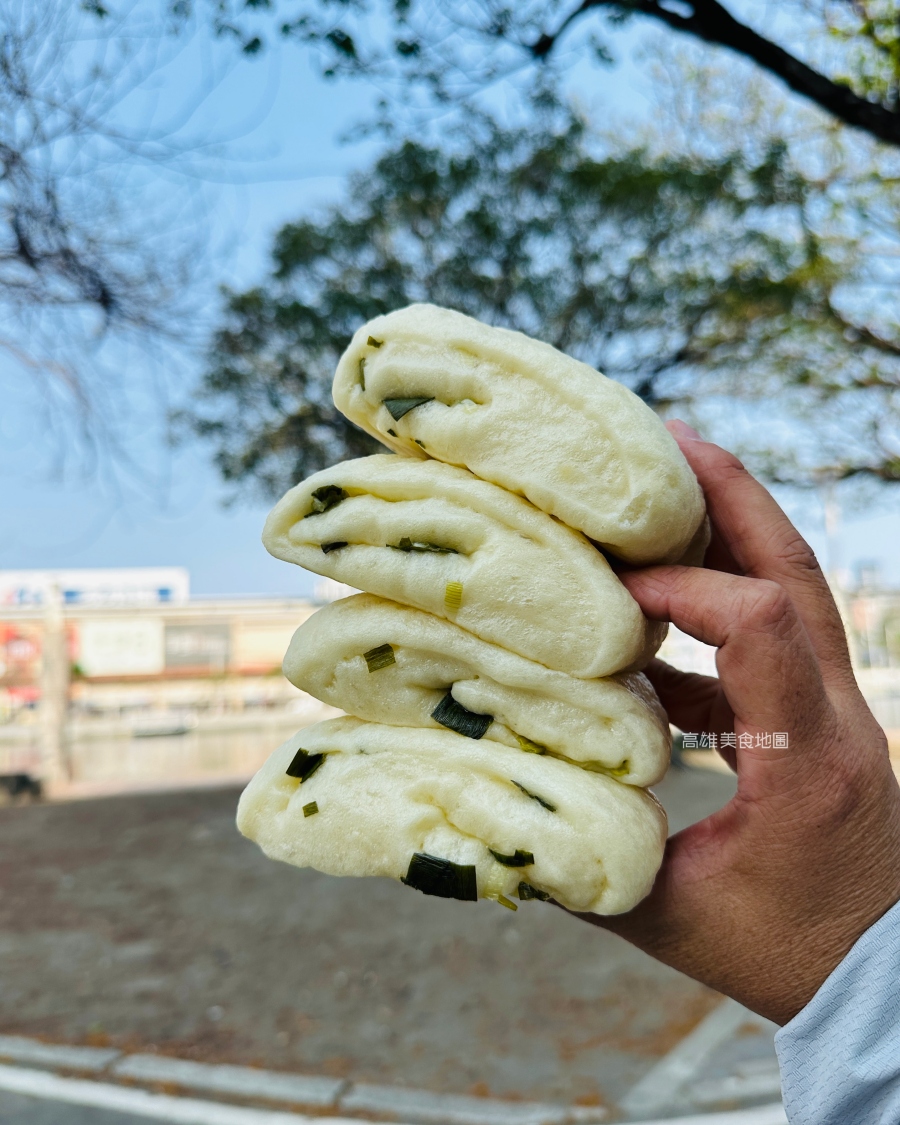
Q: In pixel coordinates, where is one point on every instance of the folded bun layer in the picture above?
(431, 382)
(388, 663)
(435, 537)
(454, 817)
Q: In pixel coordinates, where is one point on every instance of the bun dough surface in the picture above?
(384, 794)
(417, 532)
(519, 413)
(615, 725)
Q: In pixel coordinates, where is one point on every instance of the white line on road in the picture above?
(762, 1115)
(162, 1107)
(192, 1111)
(659, 1087)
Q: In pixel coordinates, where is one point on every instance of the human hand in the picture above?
(764, 898)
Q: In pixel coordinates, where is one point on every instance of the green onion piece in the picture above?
(535, 797)
(526, 891)
(362, 372)
(311, 809)
(517, 859)
(373, 343)
(393, 433)
(422, 443)
(378, 658)
(329, 547)
(504, 901)
(454, 716)
(326, 498)
(453, 593)
(400, 406)
(407, 544)
(441, 877)
(528, 746)
(304, 765)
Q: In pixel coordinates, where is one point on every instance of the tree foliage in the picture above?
(696, 281)
(843, 55)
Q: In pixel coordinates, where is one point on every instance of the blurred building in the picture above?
(112, 673)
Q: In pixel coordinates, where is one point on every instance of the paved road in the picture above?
(147, 923)
(18, 1110)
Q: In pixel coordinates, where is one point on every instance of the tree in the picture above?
(842, 55)
(697, 280)
(85, 264)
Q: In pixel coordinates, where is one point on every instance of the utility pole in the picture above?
(55, 763)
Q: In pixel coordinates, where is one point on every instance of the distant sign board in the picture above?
(201, 646)
(125, 586)
(20, 654)
(121, 646)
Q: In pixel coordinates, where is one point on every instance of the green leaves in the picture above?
(721, 280)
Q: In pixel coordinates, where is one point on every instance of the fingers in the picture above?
(755, 533)
(768, 672)
(692, 702)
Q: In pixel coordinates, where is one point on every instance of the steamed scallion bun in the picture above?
(431, 382)
(454, 817)
(388, 663)
(435, 537)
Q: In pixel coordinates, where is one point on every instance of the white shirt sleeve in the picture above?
(840, 1056)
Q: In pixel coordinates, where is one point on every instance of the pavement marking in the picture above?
(23, 1050)
(762, 1115)
(418, 1107)
(458, 1109)
(161, 1107)
(659, 1087)
(223, 1078)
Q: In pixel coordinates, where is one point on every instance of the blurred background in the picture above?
(200, 201)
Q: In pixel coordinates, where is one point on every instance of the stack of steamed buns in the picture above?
(500, 737)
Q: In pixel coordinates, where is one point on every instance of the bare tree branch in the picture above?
(712, 23)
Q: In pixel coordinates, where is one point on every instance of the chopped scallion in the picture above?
(526, 891)
(362, 372)
(329, 547)
(326, 498)
(534, 797)
(397, 407)
(453, 593)
(393, 433)
(378, 658)
(304, 765)
(454, 716)
(407, 544)
(373, 343)
(422, 443)
(528, 746)
(311, 809)
(517, 859)
(441, 877)
(504, 901)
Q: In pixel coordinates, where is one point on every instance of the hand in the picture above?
(764, 898)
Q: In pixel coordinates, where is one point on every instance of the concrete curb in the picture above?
(242, 1081)
(87, 1059)
(401, 1105)
(416, 1107)
(162, 1107)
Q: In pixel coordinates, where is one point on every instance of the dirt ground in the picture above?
(147, 922)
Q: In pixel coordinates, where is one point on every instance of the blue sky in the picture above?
(290, 161)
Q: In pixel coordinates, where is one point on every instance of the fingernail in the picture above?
(680, 429)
